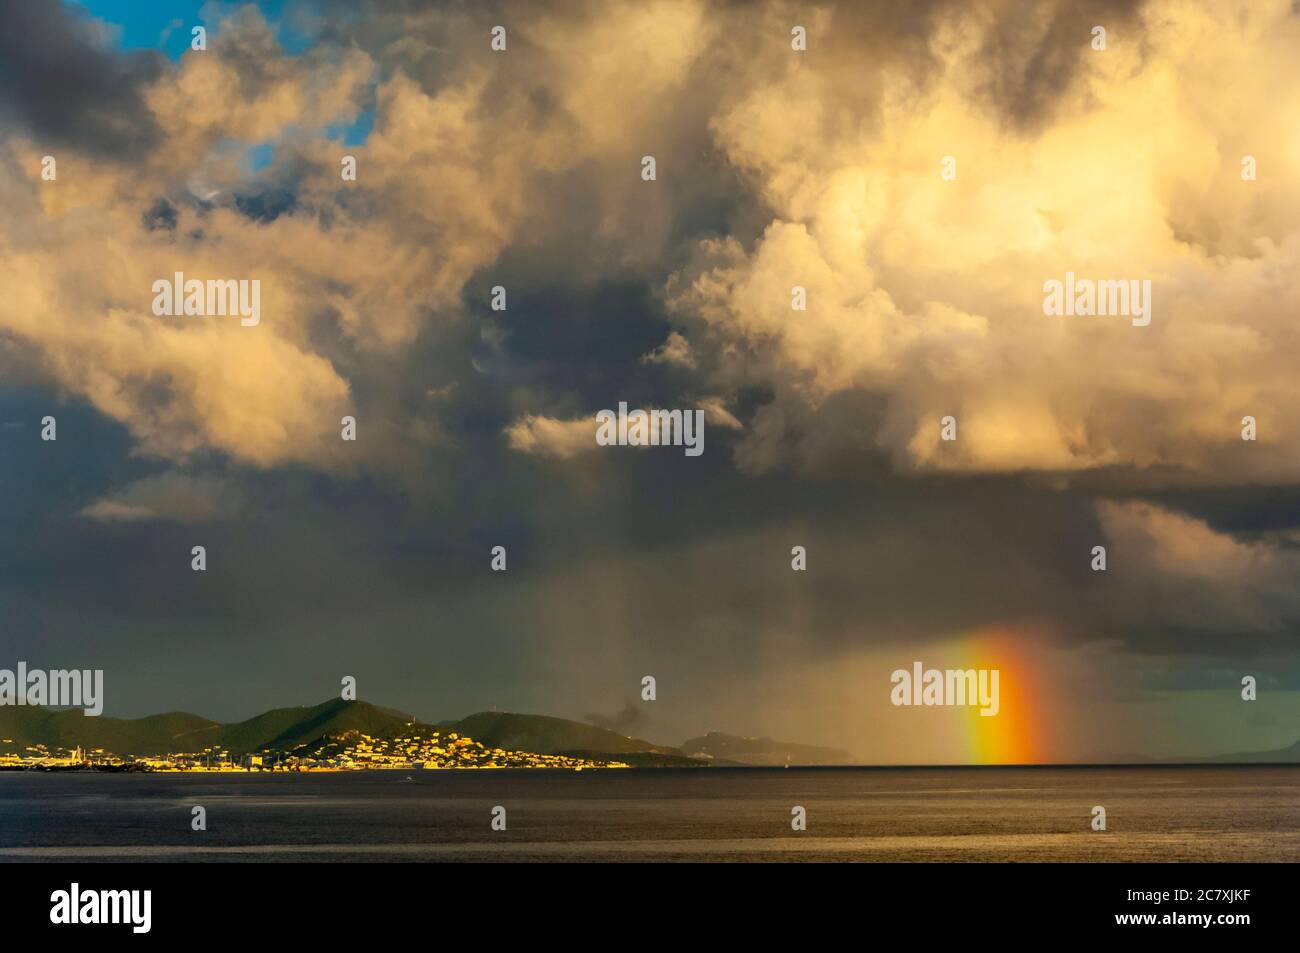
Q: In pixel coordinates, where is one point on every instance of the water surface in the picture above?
(1211, 813)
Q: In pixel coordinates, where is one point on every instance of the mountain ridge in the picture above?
(762, 752)
(1287, 755)
(284, 729)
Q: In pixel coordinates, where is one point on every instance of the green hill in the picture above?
(156, 734)
(280, 728)
(543, 734)
(286, 728)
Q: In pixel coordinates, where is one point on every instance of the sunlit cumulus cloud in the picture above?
(374, 267)
(928, 291)
(82, 256)
(448, 178)
(922, 290)
(548, 437)
(675, 350)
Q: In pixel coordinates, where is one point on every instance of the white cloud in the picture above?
(549, 437)
(675, 350)
(928, 293)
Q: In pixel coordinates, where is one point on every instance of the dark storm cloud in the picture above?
(58, 78)
(265, 205)
(637, 562)
(1246, 512)
(1035, 52)
(161, 215)
(893, 561)
(629, 720)
(610, 324)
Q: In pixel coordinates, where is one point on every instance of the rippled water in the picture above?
(1237, 813)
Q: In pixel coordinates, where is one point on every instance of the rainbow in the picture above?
(1019, 732)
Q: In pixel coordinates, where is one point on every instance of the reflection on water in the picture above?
(1237, 813)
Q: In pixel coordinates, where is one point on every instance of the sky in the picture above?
(920, 171)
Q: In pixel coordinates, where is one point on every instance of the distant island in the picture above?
(340, 735)
(336, 735)
(735, 749)
(1290, 755)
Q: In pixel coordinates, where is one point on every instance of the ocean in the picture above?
(1191, 813)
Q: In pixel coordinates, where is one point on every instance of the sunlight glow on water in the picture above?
(1240, 813)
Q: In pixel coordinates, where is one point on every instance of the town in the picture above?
(419, 748)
